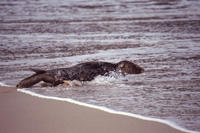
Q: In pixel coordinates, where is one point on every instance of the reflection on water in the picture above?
(163, 36)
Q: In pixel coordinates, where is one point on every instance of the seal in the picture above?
(81, 72)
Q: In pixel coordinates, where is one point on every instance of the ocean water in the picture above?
(162, 36)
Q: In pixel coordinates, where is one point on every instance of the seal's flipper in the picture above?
(36, 78)
(38, 71)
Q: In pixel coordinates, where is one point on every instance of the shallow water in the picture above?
(162, 36)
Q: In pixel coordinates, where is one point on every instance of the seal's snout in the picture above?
(129, 67)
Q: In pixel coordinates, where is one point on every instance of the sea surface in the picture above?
(162, 36)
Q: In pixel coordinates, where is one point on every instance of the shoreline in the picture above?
(22, 112)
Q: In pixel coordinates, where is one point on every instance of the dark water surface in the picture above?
(163, 36)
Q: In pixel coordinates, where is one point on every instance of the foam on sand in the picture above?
(2, 84)
(171, 124)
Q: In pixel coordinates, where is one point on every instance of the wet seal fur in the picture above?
(81, 72)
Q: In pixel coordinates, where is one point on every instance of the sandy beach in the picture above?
(22, 113)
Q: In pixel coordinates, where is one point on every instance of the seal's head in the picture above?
(128, 67)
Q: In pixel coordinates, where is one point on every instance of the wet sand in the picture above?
(22, 113)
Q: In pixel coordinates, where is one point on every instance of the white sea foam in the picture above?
(170, 123)
(3, 84)
(113, 78)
